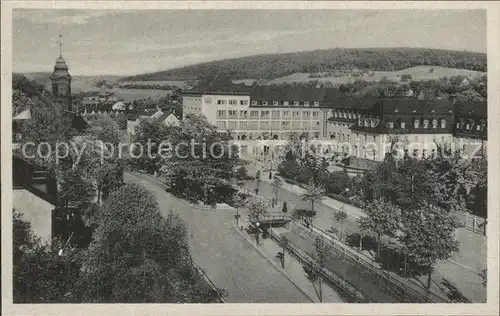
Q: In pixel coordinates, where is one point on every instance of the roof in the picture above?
(471, 108)
(286, 93)
(194, 93)
(414, 106)
(24, 115)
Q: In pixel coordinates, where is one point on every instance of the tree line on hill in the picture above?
(280, 65)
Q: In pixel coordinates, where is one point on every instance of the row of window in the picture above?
(276, 114)
(469, 126)
(285, 103)
(264, 125)
(416, 123)
(232, 102)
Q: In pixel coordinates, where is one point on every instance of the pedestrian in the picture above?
(256, 191)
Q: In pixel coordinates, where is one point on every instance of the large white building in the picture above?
(247, 119)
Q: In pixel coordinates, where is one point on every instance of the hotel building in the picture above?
(362, 129)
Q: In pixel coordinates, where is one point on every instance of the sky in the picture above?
(110, 42)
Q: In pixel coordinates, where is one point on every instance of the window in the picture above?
(286, 113)
(275, 113)
(233, 102)
(243, 102)
(458, 125)
(372, 124)
(396, 110)
(306, 103)
(296, 103)
(306, 113)
(443, 123)
(285, 103)
(336, 114)
(467, 127)
(434, 123)
(220, 102)
(417, 123)
(254, 102)
(354, 116)
(426, 123)
(345, 115)
(366, 123)
(264, 113)
(316, 103)
(232, 113)
(403, 124)
(295, 113)
(275, 102)
(254, 113)
(315, 113)
(349, 115)
(243, 113)
(317, 122)
(478, 128)
(221, 113)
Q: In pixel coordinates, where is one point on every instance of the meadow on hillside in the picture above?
(418, 73)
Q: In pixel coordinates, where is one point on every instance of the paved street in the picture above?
(228, 259)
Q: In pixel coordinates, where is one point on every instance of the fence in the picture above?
(328, 276)
(473, 223)
(381, 279)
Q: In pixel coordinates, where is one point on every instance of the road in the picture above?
(227, 258)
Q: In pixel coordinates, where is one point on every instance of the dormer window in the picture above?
(336, 114)
(467, 127)
(254, 102)
(478, 128)
(432, 111)
(443, 123)
(349, 115)
(372, 123)
(264, 103)
(345, 115)
(434, 123)
(275, 102)
(306, 103)
(396, 110)
(316, 103)
(296, 103)
(366, 123)
(391, 124)
(417, 123)
(354, 116)
(285, 103)
(426, 123)
(458, 125)
(359, 122)
(403, 124)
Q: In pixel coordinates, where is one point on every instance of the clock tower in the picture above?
(61, 83)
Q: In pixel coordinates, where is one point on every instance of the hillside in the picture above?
(417, 73)
(280, 65)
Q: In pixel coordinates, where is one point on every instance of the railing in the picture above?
(331, 278)
(397, 289)
(473, 223)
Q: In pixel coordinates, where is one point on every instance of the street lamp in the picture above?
(257, 232)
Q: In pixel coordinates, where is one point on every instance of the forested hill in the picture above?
(279, 65)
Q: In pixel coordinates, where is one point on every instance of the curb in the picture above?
(274, 265)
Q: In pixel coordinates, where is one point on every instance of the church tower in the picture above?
(61, 82)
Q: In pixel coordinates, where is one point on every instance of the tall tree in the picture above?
(314, 194)
(340, 217)
(428, 236)
(277, 184)
(138, 255)
(382, 218)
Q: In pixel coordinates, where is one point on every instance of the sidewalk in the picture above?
(293, 269)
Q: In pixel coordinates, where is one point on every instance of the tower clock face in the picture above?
(208, 100)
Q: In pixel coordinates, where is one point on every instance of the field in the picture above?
(418, 73)
(177, 83)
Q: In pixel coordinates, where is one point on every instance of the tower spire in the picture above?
(60, 45)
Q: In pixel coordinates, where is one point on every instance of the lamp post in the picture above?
(257, 232)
